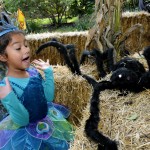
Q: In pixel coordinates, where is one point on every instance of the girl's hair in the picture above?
(6, 39)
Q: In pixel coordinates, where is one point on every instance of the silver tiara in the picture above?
(6, 24)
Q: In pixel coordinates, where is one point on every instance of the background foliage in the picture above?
(48, 15)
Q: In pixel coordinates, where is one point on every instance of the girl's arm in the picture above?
(48, 83)
(16, 110)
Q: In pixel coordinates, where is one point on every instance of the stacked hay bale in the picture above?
(123, 118)
(136, 40)
(76, 38)
(133, 43)
(72, 91)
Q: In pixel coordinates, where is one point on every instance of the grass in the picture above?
(45, 21)
(45, 25)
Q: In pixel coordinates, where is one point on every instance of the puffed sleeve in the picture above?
(16, 110)
(48, 84)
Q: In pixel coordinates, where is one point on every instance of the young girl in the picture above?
(34, 122)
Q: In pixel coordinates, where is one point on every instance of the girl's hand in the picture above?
(6, 89)
(41, 65)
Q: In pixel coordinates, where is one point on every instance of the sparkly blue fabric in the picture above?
(35, 101)
(60, 132)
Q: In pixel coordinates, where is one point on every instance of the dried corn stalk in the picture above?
(107, 23)
(106, 32)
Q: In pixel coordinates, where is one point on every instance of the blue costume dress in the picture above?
(47, 128)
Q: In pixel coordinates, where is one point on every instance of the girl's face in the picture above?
(18, 53)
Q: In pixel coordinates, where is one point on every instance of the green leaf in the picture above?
(133, 117)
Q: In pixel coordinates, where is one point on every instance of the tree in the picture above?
(52, 9)
(130, 5)
(82, 7)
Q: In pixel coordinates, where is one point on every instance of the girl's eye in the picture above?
(18, 48)
(26, 45)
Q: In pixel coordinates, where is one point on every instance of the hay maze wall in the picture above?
(125, 119)
(76, 38)
(134, 43)
(71, 91)
(128, 124)
(79, 38)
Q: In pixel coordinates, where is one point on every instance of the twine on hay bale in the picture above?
(123, 118)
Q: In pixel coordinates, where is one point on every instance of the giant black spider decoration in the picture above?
(127, 74)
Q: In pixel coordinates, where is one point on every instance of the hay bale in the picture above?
(123, 118)
(72, 91)
(76, 38)
(134, 43)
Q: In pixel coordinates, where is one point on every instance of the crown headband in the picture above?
(6, 25)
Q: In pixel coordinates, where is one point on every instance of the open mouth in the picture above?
(26, 58)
